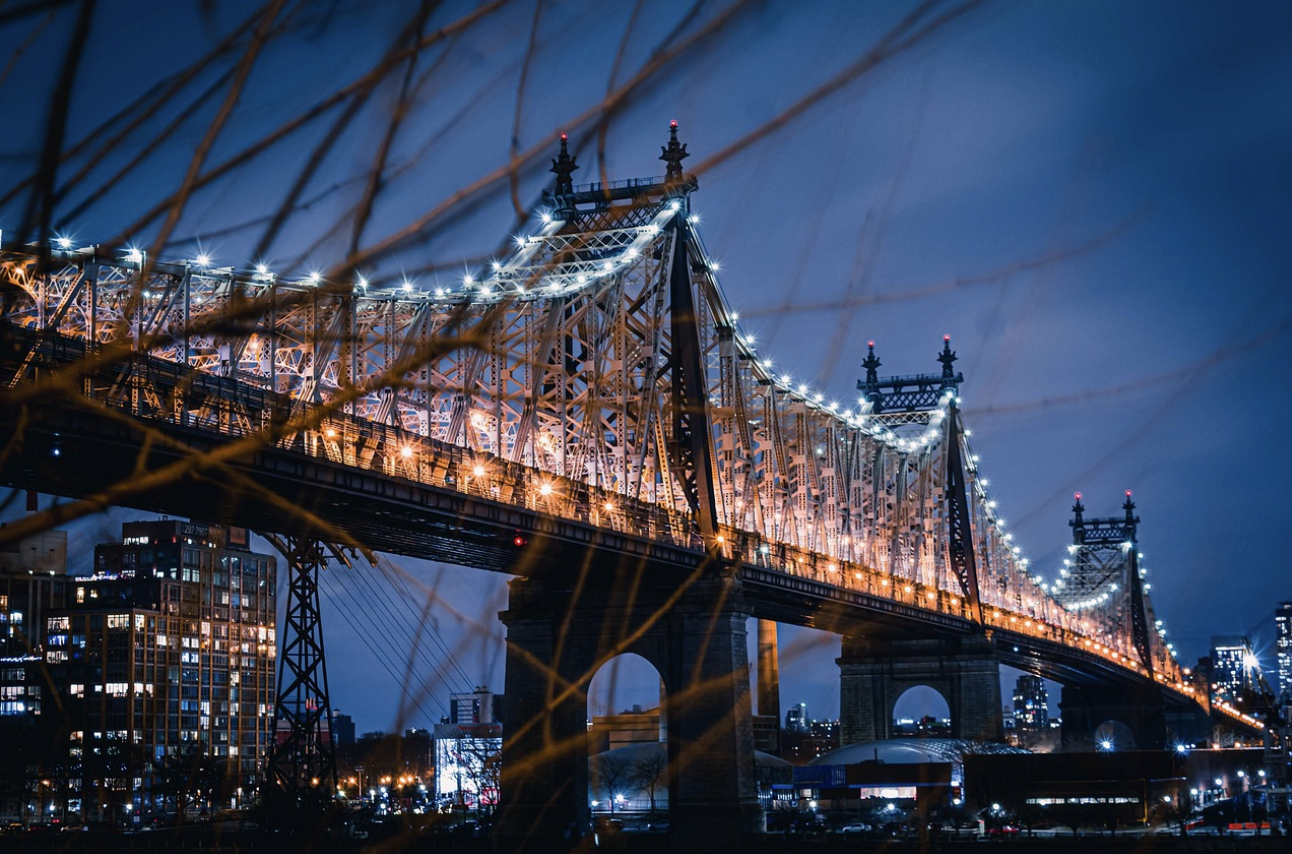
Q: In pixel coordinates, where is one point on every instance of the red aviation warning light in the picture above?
(519, 541)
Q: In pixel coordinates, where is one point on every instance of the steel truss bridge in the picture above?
(591, 391)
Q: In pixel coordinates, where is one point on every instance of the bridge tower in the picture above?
(876, 667)
(301, 767)
(564, 622)
(1104, 580)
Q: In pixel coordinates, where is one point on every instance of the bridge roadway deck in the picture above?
(416, 520)
(99, 448)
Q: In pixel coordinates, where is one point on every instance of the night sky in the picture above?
(1091, 198)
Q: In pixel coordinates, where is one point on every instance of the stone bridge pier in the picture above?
(874, 673)
(1128, 717)
(559, 632)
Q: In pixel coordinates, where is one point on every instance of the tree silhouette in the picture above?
(611, 774)
(649, 773)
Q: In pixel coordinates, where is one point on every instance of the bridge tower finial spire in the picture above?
(564, 167)
(871, 364)
(948, 359)
(673, 154)
(1131, 519)
(1078, 523)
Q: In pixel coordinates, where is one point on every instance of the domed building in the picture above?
(927, 771)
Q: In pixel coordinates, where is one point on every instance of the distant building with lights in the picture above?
(1283, 650)
(468, 749)
(164, 654)
(1031, 703)
(33, 573)
(796, 718)
(1231, 662)
(817, 738)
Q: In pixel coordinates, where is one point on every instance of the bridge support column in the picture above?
(874, 673)
(558, 633)
(544, 776)
(713, 800)
(1128, 717)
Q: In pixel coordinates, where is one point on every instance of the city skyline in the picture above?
(1066, 220)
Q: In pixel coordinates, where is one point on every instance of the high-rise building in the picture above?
(1031, 703)
(1231, 663)
(32, 578)
(33, 572)
(1283, 649)
(165, 657)
(343, 729)
(796, 718)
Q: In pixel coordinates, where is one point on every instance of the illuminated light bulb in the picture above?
(546, 218)
(63, 242)
(133, 255)
(545, 489)
(478, 471)
(408, 286)
(521, 242)
(362, 283)
(609, 507)
(331, 433)
(315, 277)
(405, 452)
(467, 280)
(907, 588)
(203, 260)
(693, 219)
(439, 292)
(262, 270)
(714, 266)
(674, 205)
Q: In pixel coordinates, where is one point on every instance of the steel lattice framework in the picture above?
(596, 372)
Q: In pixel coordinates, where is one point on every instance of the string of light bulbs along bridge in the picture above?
(571, 328)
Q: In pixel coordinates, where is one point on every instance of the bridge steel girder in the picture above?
(560, 629)
(960, 533)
